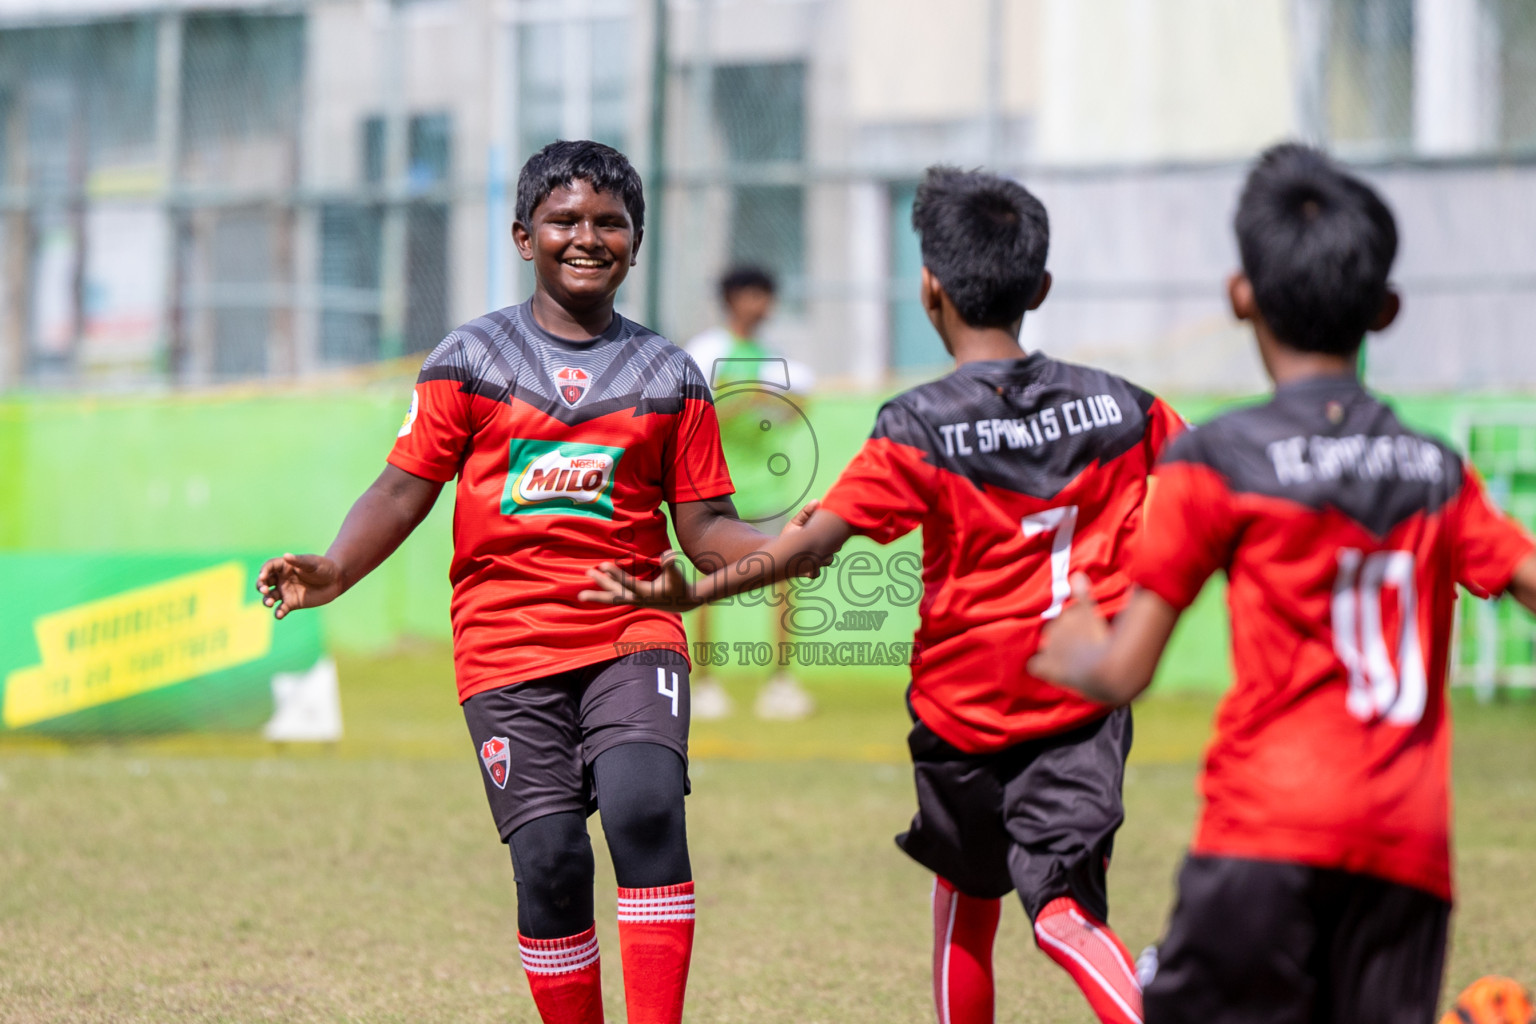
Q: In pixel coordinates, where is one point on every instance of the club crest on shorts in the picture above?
(573, 383)
(497, 758)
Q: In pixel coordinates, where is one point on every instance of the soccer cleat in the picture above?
(565, 977)
(784, 700)
(1094, 956)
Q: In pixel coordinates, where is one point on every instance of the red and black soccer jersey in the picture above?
(565, 452)
(1020, 472)
(1343, 536)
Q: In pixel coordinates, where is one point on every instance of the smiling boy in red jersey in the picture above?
(568, 427)
(1318, 887)
(1016, 467)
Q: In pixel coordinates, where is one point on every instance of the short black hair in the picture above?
(562, 163)
(985, 238)
(1317, 244)
(740, 278)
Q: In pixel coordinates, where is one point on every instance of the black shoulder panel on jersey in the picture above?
(1030, 426)
(1327, 443)
(496, 357)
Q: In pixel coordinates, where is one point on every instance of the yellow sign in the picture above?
(137, 641)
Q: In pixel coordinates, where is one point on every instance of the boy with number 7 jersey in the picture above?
(1019, 470)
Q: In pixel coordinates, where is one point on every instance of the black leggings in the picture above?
(640, 796)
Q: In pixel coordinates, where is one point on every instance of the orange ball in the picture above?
(1492, 1000)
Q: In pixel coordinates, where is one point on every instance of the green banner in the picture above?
(98, 644)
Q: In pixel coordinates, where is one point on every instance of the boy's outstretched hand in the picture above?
(668, 590)
(799, 519)
(1111, 666)
(1072, 645)
(298, 581)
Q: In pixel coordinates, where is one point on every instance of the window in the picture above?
(1517, 74)
(426, 233)
(760, 110)
(349, 282)
(915, 348)
(373, 151)
(240, 263)
(573, 82)
(760, 115)
(352, 238)
(1370, 75)
(611, 46)
(429, 151)
(242, 74)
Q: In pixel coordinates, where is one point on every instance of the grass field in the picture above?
(199, 880)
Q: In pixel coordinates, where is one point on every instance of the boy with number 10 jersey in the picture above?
(1318, 885)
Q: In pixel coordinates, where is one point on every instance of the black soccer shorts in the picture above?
(536, 740)
(1039, 816)
(1272, 942)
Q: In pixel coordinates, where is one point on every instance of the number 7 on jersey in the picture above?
(1061, 522)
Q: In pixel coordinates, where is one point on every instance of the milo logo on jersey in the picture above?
(560, 478)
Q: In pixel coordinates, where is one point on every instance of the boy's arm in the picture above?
(712, 535)
(1522, 585)
(1188, 530)
(382, 517)
(1494, 553)
(882, 493)
(1107, 664)
(808, 542)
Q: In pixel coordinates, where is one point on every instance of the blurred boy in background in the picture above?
(731, 355)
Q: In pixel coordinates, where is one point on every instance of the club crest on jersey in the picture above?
(573, 383)
(552, 477)
(497, 758)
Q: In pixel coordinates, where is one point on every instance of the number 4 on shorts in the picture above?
(661, 687)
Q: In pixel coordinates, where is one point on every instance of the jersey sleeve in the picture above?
(1489, 544)
(437, 426)
(696, 469)
(1188, 526)
(1163, 425)
(890, 485)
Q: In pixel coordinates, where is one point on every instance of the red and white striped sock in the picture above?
(1095, 957)
(565, 976)
(656, 943)
(963, 930)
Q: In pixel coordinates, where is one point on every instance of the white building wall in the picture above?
(1126, 81)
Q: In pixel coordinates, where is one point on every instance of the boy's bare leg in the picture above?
(710, 701)
(782, 698)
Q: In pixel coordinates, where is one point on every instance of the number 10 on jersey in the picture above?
(1378, 689)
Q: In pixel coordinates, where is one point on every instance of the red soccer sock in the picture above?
(565, 976)
(963, 930)
(656, 943)
(1095, 957)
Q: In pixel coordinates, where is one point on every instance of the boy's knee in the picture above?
(645, 822)
(640, 796)
(553, 861)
